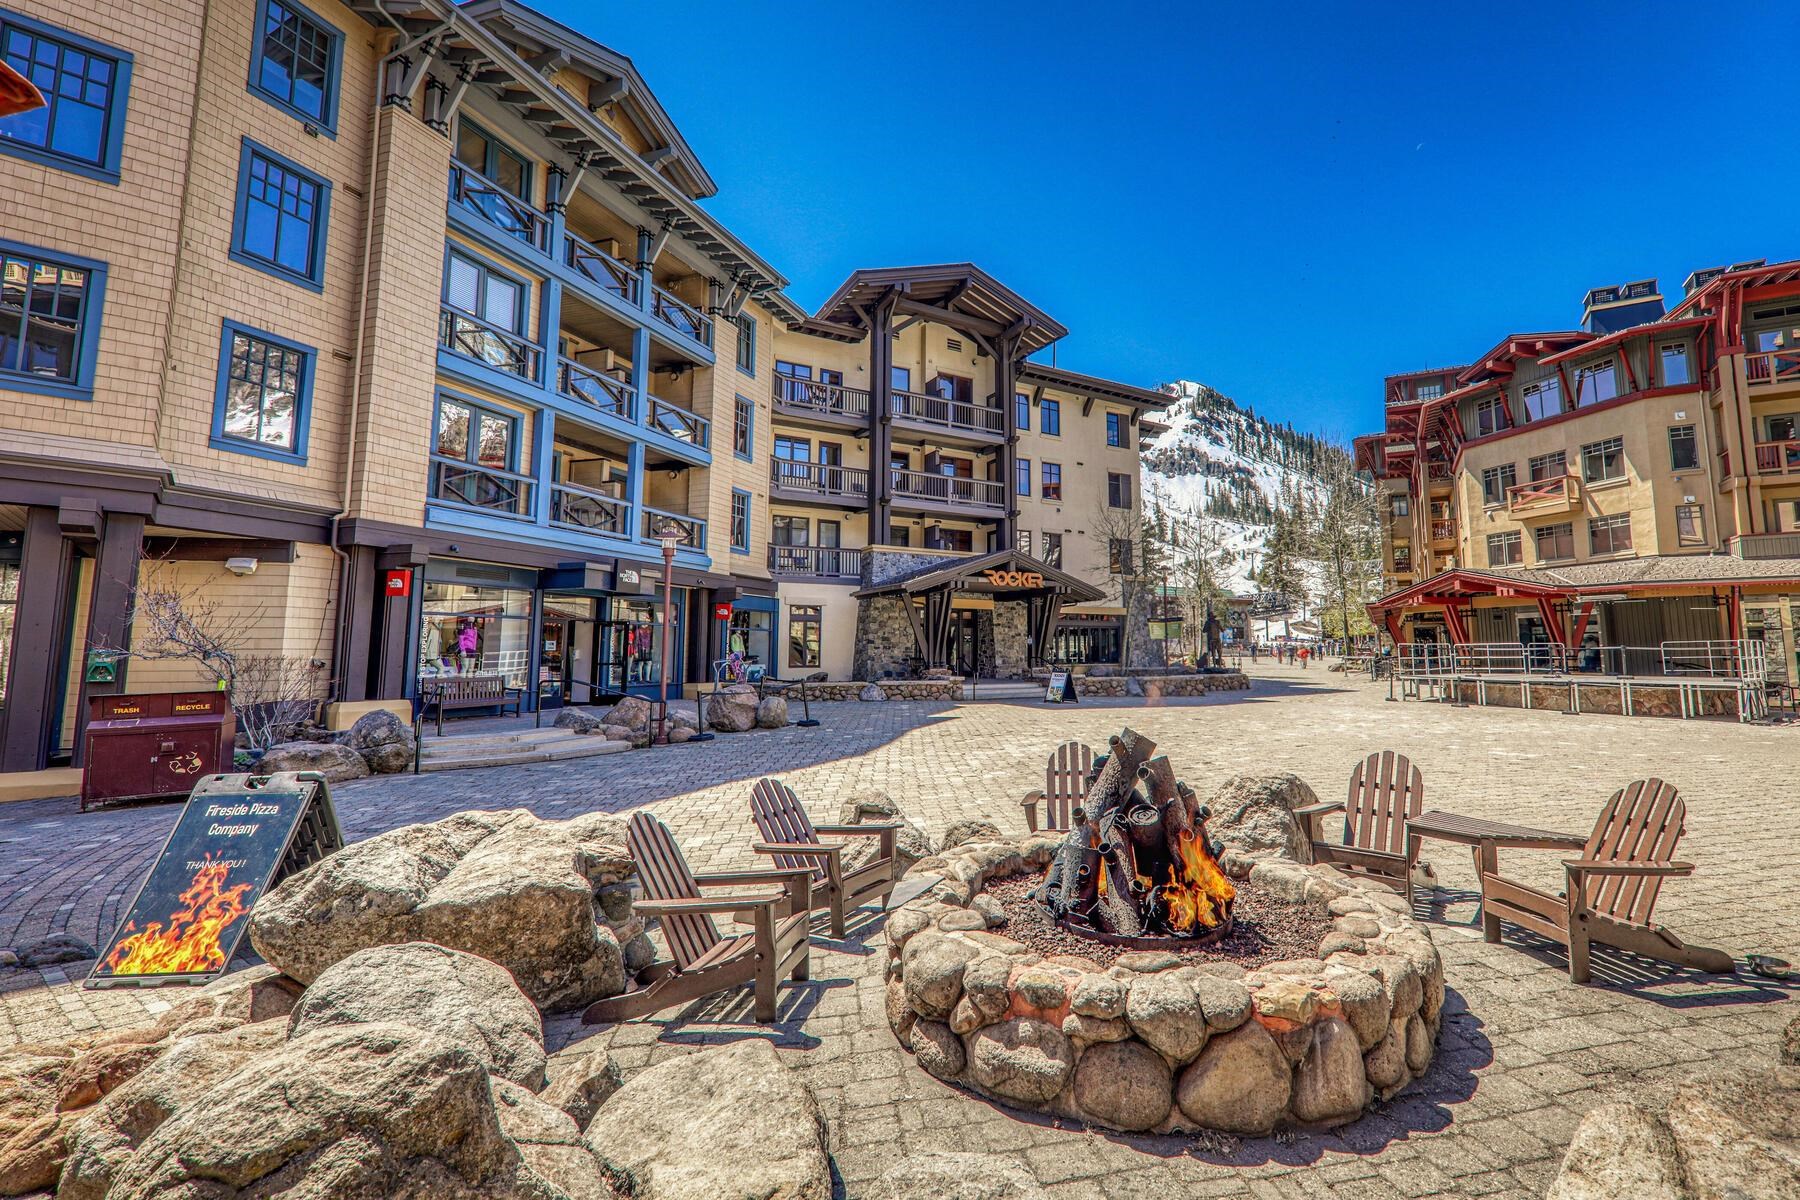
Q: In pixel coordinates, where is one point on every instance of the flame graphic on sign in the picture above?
(190, 943)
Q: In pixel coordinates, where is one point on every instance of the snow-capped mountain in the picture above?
(1233, 466)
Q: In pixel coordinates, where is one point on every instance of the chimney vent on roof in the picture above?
(1610, 309)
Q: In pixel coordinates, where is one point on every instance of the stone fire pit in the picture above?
(1162, 1042)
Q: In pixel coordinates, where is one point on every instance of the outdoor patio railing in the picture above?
(1742, 659)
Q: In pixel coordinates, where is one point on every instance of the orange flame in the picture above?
(1197, 894)
(191, 943)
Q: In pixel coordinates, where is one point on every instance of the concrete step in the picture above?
(456, 754)
(511, 740)
(1005, 690)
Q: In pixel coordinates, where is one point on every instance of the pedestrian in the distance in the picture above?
(1305, 656)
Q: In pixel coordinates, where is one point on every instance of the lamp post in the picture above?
(667, 533)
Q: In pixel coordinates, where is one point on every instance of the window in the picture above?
(740, 521)
(1021, 410)
(831, 534)
(1490, 416)
(1609, 535)
(296, 61)
(1052, 481)
(790, 531)
(1555, 542)
(49, 321)
(1684, 450)
(743, 420)
(1429, 391)
(1495, 481)
(899, 536)
(1118, 556)
(82, 124)
(1115, 429)
(482, 291)
(493, 159)
(1022, 477)
(746, 343)
(1050, 417)
(1690, 525)
(803, 635)
(1400, 506)
(1595, 383)
(1022, 541)
(1548, 466)
(1053, 550)
(1118, 490)
(1605, 460)
(265, 387)
(950, 539)
(1505, 549)
(1674, 365)
(281, 216)
(1542, 399)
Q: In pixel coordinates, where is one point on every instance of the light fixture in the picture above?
(241, 566)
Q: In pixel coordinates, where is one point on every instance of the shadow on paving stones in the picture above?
(729, 1016)
(859, 926)
(1651, 979)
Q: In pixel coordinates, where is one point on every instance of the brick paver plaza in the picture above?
(1523, 1052)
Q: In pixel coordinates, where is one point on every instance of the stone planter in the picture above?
(1156, 686)
(1156, 1042)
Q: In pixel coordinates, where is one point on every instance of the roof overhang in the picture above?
(1515, 346)
(1144, 399)
(1652, 329)
(972, 575)
(958, 292)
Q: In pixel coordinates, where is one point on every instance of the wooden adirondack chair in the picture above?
(1612, 887)
(790, 837)
(704, 961)
(1065, 788)
(1386, 790)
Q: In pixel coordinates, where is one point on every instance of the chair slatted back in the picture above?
(1386, 791)
(781, 821)
(1065, 783)
(664, 875)
(1641, 823)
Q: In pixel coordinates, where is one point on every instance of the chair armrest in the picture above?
(1030, 805)
(873, 829)
(795, 882)
(1590, 867)
(1319, 810)
(814, 849)
(724, 904)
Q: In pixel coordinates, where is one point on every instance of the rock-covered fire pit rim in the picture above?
(1159, 1043)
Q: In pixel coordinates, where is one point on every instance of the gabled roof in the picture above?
(1515, 346)
(1652, 329)
(1760, 275)
(965, 574)
(1092, 385)
(961, 287)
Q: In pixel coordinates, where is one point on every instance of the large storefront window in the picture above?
(1086, 643)
(469, 630)
(635, 653)
(749, 636)
(803, 635)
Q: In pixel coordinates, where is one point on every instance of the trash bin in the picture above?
(155, 746)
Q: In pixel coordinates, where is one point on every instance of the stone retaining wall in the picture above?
(891, 689)
(1155, 686)
(1158, 1042)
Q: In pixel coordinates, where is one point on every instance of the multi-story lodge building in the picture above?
(394, 337)
(1629, 483)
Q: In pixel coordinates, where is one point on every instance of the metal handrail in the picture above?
(815, 396)
(478, 193)
(602, 268)
(1743, 660)
(605, 393)
(469, 335)
(584, 508)
(821, 478)
(951, 489)
(692, 529)
(831, 562)
(679, 423)
(680, 316)
(490, 489)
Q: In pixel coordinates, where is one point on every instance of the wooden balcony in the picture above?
(1766, 545)
(1559, 493)
(583, 508)
(682, 318)
(1778, 458)
(501, 349)
(1443, 531)
(832, 402)
(1772, 368)
(954, 415)
(600, 392)
(820, 562)
(488, 489)
(679, 423)
(819, 481)
(600, 268)
(690, 532)
(949, 490)
(510, 215)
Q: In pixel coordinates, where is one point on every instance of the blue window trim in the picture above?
(82, 387)
(471, 401)
(325, 123)
(496, 146)
(302, 406)
(488, 266)
(745, 547)
(749, 428)
(107, 170)
(314, 281)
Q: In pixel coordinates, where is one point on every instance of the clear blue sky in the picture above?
(1284, 201)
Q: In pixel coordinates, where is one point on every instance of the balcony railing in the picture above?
(603, 269)
(831, 399)
(584, 508)
(512, 215)
(690, 531)
(489, 489)
(1767, 545)
(1559, 491)
(1778, 458)
(1770, 367)
(679, 423)
(819, 479)
(603, 392)
(829, 562)
(1443, 531)
(949, 489)
(498, 348)
(682, 318)
(949, 414)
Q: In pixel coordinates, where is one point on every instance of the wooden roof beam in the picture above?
(956, 320)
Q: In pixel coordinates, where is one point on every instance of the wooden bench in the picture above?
(470, 691)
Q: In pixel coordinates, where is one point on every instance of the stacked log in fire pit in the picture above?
(1138, 868)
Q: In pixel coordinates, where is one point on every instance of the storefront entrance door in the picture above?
(553, 668)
